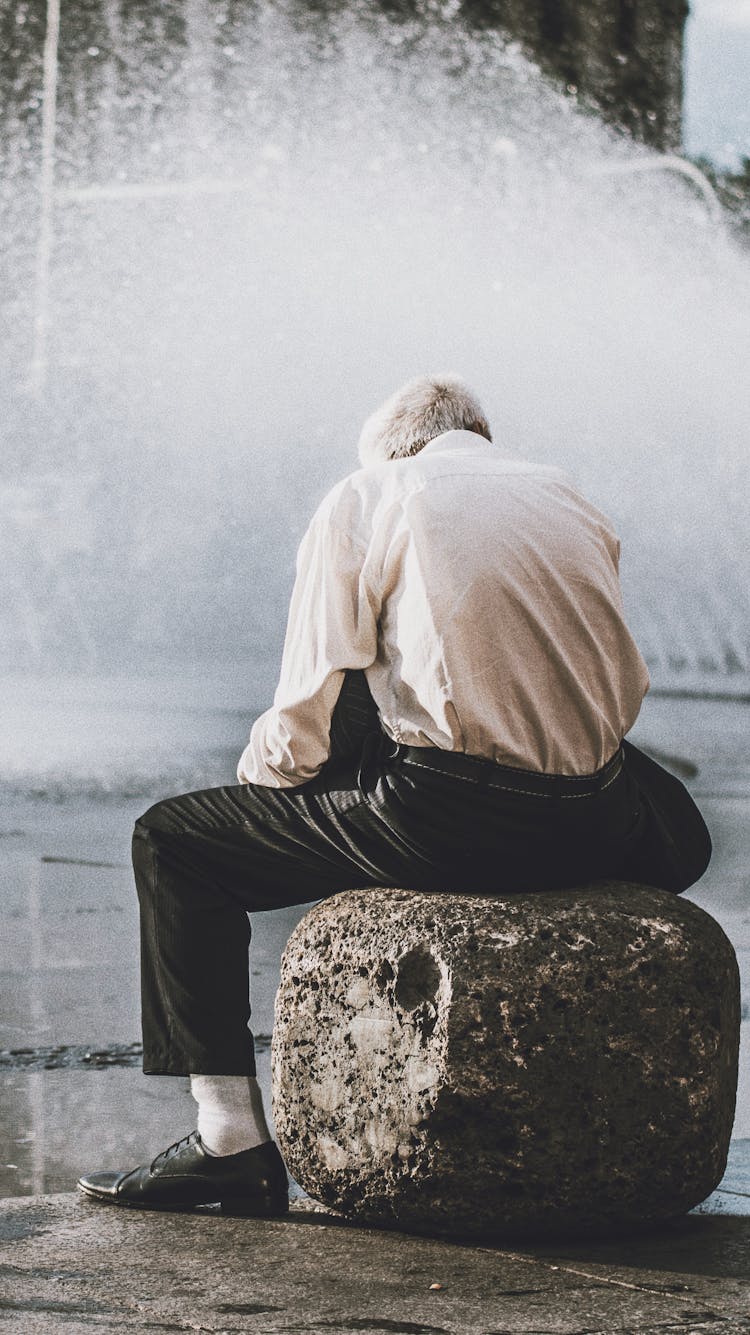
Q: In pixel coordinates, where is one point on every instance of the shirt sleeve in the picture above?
(332, 626)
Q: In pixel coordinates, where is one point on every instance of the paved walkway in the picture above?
(73, 1266)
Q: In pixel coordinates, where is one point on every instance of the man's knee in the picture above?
(149, 829)
(162, 818)
(153, 845)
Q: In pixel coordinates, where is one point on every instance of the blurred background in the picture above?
(230, 228)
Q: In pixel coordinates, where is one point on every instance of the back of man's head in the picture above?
(416, 414)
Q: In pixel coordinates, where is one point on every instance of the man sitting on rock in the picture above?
(456, 683)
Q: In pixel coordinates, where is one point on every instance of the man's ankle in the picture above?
(231, 1117)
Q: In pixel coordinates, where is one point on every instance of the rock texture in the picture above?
(525, 1065)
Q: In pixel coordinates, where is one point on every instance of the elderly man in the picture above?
(456, 683)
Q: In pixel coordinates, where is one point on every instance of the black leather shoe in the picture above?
(253, 1182)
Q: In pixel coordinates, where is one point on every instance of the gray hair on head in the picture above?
(417, 413)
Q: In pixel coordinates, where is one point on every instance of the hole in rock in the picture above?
(417, 978)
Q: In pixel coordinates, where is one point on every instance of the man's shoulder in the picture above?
(346, 494)
(515, 467)
(359, 503)
(362, 492)
(346, 512)
(492, 469)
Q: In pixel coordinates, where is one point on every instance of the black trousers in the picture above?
(378, 814)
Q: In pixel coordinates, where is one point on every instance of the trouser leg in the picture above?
(202, 862)
(194, 953)
(672, 848)
(644, 828)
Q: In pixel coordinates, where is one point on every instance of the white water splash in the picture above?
(250, 252)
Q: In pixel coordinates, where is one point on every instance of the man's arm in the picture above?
(332, 627)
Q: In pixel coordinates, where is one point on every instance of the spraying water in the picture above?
(257, 225)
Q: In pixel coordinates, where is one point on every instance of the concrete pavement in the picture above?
(73, 1266)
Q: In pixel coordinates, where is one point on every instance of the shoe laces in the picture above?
(172, 1150)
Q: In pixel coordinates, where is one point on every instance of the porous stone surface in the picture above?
(526, 1065)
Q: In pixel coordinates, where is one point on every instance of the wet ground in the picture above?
(70, 1034)
(72, 1094)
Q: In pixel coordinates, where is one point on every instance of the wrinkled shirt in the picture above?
(480, 595)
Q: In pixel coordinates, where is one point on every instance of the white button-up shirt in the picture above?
(480, 594)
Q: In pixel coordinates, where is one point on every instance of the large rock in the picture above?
(523, 1065)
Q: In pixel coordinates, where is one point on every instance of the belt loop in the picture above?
(376, 748)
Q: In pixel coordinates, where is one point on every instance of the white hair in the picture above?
(416, 414)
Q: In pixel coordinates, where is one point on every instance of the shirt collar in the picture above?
(464, 441)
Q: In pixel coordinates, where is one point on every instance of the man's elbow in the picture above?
(269, 773)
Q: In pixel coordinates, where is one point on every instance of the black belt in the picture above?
(528, 783)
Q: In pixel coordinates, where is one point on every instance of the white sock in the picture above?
(230, 1112)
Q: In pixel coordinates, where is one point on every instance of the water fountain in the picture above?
(232, 228)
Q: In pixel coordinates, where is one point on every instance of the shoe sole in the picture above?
(244, 1209)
